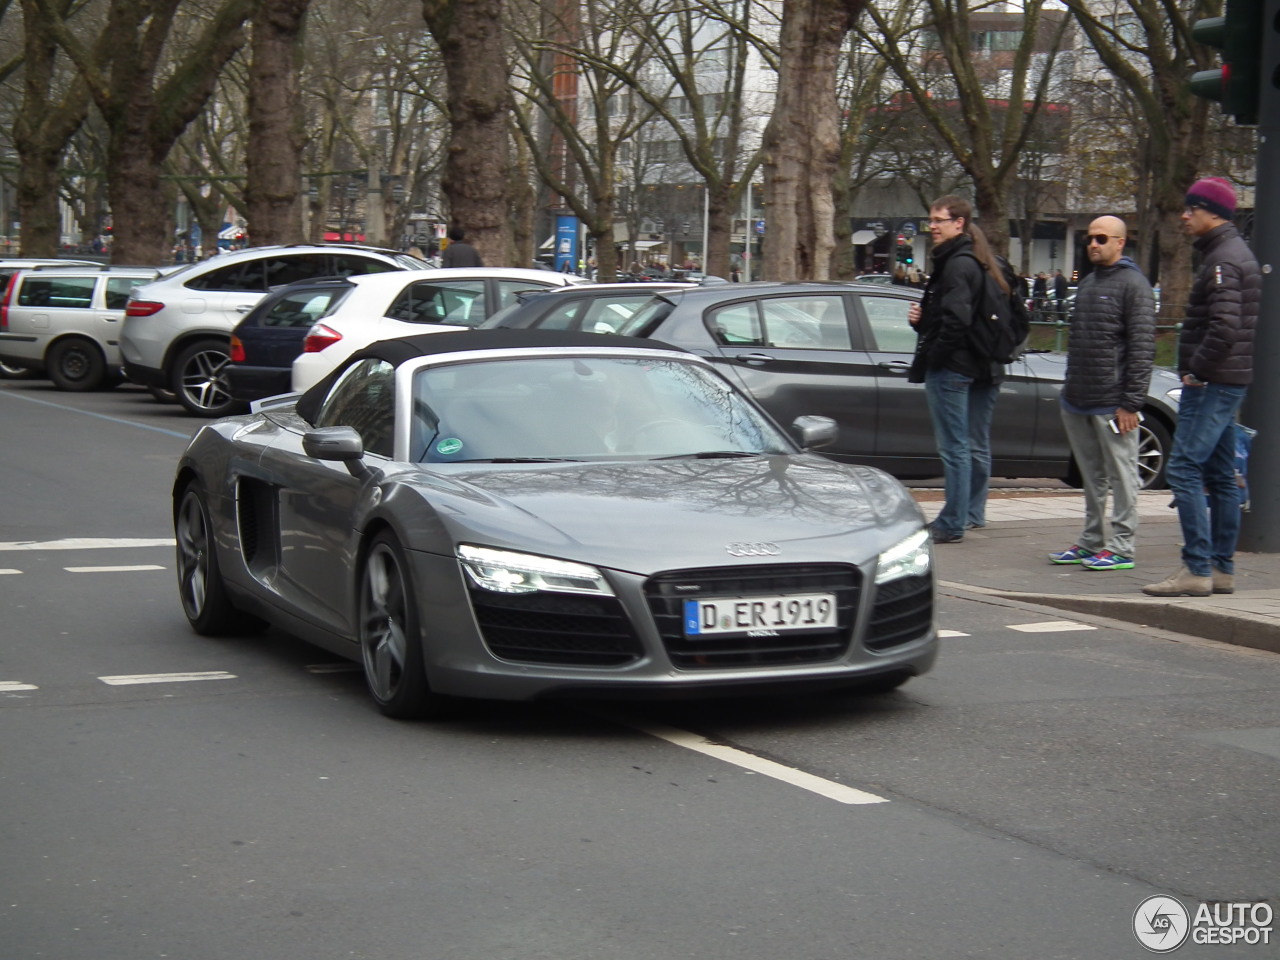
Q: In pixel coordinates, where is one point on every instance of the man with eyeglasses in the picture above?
(1215, 361)
(1109, 360)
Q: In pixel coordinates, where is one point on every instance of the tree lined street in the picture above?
(1033, 790)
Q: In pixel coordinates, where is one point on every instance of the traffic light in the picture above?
(905, 253)
(1237, 83)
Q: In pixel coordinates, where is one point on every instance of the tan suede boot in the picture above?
(1184, 583)
(1223, 582)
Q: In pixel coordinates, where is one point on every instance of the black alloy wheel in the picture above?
(390, 640)
(204, 596)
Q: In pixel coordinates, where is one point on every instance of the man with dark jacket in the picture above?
(1109, 359)
(1061, 290)
(1039, 292)
(960, 385)
(1215, 360)
(459, 253)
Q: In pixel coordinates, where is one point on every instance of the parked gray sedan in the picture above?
(842, 350)
(523, 514)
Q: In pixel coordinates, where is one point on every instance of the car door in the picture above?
(796, 354)
(318, 500)
(59, 305)
(904, 430)
(114, 299)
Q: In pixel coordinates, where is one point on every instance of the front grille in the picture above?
(667, 592)
(903, 612)
(560, 628)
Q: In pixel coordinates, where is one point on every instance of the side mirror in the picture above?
(333, 443)
(814, 432)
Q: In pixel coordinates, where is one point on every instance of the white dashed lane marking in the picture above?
(125, 680)
(749, 761)
(3, 572)
(1051, 626)
(83, 543)
(134, 568)
(9, 686)
(951, 633)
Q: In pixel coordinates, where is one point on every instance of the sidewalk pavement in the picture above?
(1009, 558)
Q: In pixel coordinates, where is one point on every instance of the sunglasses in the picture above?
(1101, 238)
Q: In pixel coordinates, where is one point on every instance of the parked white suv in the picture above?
(386, 306)
(177, 331)
(65, 322)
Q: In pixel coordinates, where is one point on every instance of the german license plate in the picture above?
(759, 616)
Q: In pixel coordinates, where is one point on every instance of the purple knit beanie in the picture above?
(1215, 195)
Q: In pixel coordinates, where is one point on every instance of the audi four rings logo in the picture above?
(752, 549)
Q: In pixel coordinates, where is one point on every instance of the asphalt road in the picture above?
(165, 795)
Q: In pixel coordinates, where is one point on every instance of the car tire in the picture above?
(388, 630)
(1155, 441)
(76, 364)
(11, 371)
(200, 380)
(204, 596)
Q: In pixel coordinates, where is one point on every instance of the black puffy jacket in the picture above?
(1113, 339)
(1216, 344)
(951, 299)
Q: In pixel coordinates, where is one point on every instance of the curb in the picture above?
(1178, 615)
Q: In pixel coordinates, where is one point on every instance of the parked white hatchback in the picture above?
(385, 306)
(64, 322)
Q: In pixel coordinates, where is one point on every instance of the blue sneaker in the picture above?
(1106, 560)
(1073, 554)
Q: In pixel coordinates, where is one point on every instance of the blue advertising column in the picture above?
(566, 243)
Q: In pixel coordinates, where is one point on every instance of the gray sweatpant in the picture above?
(1108, 463)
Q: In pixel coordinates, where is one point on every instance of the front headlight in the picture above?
(1174, 397)
(504, 571)
(910, 558)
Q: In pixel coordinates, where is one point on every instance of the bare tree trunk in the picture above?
(147, 106)
(274, 152)
(40, 135)
(802, 141)
(471, 40)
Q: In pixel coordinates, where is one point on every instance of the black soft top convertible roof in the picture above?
(403, 349)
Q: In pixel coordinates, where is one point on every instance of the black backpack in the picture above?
(1000, 329)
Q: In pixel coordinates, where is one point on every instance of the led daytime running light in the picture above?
(909, 558)
(504, 571)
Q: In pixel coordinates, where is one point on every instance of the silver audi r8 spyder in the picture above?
(525, 514)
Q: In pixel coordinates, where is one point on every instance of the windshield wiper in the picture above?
(711, 455)
(521, 460)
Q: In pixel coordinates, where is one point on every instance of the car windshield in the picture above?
(583, 408)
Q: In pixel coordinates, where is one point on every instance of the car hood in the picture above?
(646, 515)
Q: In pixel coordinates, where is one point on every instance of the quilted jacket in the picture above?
(1113, 339)
(1217, 337)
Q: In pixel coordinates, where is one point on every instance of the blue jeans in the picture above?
(961, 411)
(1203, 462)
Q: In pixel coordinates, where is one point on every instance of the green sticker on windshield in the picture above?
(448, 446)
